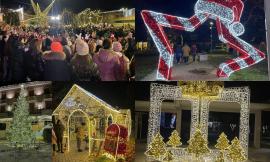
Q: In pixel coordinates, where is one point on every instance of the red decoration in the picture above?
(227, 15)
(116, 140)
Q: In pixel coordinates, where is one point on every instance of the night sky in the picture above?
(74, 5)
(185, 8)
(117, 94)
(260, 91)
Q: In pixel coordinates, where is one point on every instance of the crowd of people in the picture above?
(91, 53)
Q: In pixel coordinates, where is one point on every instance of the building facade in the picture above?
(39, 96)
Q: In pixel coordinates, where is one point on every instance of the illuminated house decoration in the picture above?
(200, 94)
(227, 15)
(98, 115)
(41, 17)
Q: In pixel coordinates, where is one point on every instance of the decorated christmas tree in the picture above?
(198, 144)
(222, 145)
(20, 134)
(168, 157)
(174, 139)
(157, 148)
(236, 152)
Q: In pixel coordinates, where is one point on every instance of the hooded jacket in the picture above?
(108, 64)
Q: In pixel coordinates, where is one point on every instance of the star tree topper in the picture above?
(226, 13)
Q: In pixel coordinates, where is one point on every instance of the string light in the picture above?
(199, 111)
(227, 15)
(80, 100)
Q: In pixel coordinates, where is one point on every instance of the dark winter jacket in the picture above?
(56, 67)
(34, 65)
(16, 63)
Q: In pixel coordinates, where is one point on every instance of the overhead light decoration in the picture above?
(195, 89)
(227, 15)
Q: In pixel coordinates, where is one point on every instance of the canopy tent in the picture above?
(99, 115)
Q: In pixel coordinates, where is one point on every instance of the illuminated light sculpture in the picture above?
(94, 110)
(40, 17)
(227, 15)
(199, 108)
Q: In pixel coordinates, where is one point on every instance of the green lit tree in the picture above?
(20, 134)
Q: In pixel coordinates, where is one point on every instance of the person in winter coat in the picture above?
(186, 52)
(124, 61)
(80, 136)
(15, 59)
(108, 62)
(92, 48)
(83, 67)
(33, 62)
(178, 53)
(59, 132)
(194, 51)
(66, 49)
(56, 67)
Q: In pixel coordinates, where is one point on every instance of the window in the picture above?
(3, 126)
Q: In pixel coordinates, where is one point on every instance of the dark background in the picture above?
(116, 94)
(260, 91)
(75, 5)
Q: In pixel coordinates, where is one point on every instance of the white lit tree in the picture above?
(20, 134)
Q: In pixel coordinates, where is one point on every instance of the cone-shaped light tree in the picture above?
(168, 157)
(157, 148)
(236, 152)
(198, 144)
(20, 134)
(174, 140)
(222, 145)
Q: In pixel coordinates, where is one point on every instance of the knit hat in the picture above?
(56, 47)
(117, 47)
(82, 48)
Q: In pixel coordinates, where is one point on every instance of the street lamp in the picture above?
(211, 35)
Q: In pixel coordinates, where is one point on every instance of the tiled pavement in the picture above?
(73, 155)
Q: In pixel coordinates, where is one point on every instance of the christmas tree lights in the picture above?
(198, 144)
(222, 145)
(227, 15)
(20, 134)
(157, 148)
(222, 142)
(174, 140)
(199, 109)
(236, 152)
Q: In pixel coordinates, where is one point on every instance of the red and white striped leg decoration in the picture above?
(155, 22)
(249, 55)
